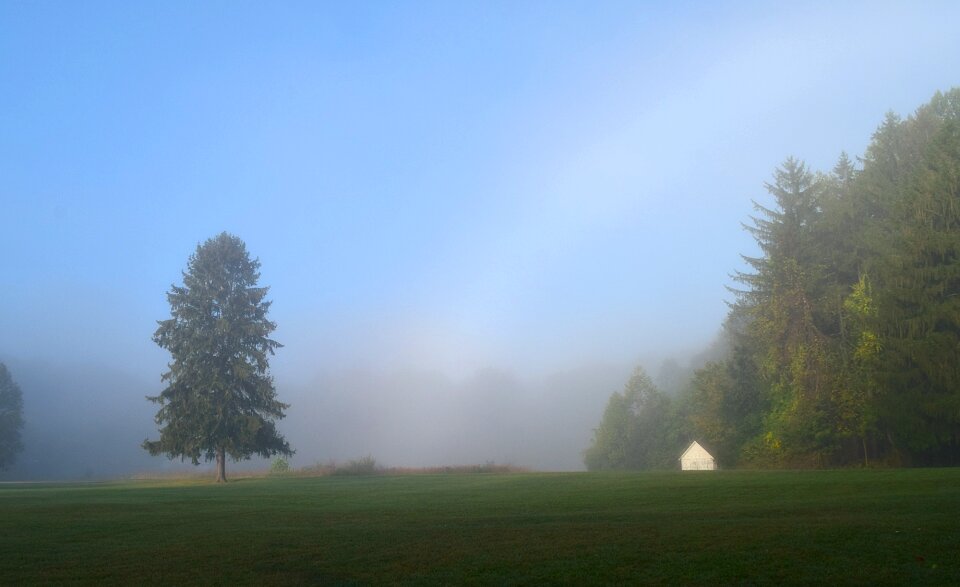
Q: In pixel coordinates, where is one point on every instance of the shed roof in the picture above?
(695, 450)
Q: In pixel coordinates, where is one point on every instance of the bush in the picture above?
(368, 466)
(280, 466)
(363, 466)
(317, 469)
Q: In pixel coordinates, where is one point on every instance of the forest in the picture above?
(842, 342)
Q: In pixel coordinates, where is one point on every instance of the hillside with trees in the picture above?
(842, 344)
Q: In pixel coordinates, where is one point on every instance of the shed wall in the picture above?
(698, 464)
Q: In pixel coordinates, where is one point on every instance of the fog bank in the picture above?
(87, 421)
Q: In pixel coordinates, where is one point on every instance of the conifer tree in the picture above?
(220, 400)
(920, 306)
(782, 301)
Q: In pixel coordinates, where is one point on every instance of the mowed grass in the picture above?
(862, 527)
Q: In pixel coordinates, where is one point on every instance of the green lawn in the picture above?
(866, 527)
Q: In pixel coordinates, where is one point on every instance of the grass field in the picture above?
(864, 527)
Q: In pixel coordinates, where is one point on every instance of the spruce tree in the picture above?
(908, 248)
(783, 304)
(220, 400)
(920, 306)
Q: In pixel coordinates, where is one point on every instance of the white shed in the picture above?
(696, 458)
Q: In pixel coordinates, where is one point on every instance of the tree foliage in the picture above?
(852, 312)
(219, 400)
(637, 430)
(784, 307)
(842, 346)
(11, 418)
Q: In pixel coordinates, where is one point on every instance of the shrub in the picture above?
(363, 466)
(280, 466)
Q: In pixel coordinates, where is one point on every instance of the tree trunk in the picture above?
(221, 466)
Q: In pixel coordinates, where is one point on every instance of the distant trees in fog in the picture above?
(638, 430)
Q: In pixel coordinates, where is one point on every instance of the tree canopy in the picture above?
(636, 431)
(220, 399)
(842, 346)
(852, 313)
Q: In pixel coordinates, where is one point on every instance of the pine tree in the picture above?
(920, 308)
(906, 201)
(220, 400)
(848, 309)
(783, 302)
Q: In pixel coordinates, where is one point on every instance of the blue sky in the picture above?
(449, 186)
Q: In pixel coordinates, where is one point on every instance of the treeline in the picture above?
(842, 346)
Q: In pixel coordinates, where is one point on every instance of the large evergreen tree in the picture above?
(920, 305)
(220, 400)
(783, 302)
(907, 245)
(11, 418)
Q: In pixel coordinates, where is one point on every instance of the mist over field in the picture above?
(87, 422)
(475, 219)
